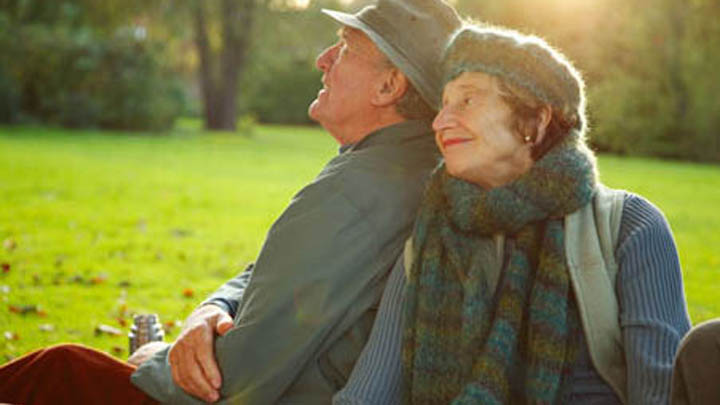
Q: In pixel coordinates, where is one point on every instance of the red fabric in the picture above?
(69, 374)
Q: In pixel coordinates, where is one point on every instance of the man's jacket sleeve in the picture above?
(316, 261)
(229, 295)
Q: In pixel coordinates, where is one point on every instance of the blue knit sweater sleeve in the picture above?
(653, 310)
(652, 305)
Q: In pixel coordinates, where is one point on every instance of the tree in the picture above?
(220, 69)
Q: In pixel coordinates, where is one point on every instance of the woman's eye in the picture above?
(468, 101)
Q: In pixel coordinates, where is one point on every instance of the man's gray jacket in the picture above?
(304, 315)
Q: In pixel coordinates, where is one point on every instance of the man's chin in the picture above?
(313, 111)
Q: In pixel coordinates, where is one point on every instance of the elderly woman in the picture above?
(526, 280)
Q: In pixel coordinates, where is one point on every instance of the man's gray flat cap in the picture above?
(412, 34)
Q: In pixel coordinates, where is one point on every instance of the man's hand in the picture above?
(192, 356)
(146, 351)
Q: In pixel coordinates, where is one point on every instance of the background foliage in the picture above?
(61, 66)
(649, 64)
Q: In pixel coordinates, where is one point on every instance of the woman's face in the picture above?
(473, 131)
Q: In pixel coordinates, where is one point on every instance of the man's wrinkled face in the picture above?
(351, 70)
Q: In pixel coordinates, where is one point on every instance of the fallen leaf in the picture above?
(58, 277)
(11, 335)
(27, 309)
(124, 284)
(168, 326)
(121, 321)
(46, 327)
(99, 279)
(107, 330)
(36, 279)
(77, 279)
(122, 310)
(5, 267)
(117, 350)
(188, 293)
(9, 244)
(181, 233)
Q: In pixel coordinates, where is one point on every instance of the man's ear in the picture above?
(542, 121)
(391, 88)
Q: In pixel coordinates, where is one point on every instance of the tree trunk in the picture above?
(206, 69)
(678, 15)
(220, 71)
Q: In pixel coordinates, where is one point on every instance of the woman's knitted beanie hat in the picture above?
(525, 61)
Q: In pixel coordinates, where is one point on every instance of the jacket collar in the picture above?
(392, 134)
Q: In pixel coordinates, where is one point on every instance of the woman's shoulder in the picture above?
(641, 219)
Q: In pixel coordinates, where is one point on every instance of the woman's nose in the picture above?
(443, 120)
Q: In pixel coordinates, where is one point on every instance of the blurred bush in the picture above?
(9, 98)
(283, 93)
(77, 77)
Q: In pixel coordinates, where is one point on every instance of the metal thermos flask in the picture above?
(146, 328)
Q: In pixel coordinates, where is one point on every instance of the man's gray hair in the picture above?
(412, 106)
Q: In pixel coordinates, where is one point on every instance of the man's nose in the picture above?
(326, 58)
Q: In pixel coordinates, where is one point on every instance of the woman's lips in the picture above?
(454, 141)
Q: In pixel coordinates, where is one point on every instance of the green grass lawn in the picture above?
(96, 226)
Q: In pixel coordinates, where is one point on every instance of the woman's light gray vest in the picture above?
(590, 239)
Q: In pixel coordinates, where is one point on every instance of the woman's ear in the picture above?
(393, 86)
(542, 121)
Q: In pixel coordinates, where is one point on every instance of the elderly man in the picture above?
(290, 329)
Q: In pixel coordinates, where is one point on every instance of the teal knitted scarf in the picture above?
(465, 344)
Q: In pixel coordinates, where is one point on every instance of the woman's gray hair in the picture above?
(530, 74)
(525, 61)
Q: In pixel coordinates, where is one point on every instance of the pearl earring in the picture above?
(527, 138)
